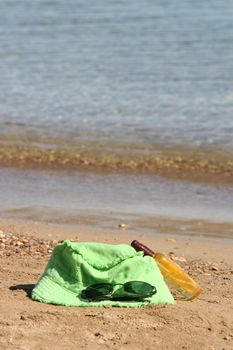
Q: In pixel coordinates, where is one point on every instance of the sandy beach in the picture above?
(116, 125)
(205, 323)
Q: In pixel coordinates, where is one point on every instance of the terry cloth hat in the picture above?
(75, 266)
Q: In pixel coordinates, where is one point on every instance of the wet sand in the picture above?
(205, 323)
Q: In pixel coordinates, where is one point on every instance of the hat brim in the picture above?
(49, 292)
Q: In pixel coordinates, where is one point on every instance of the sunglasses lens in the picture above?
(129, 290)
(140, 288)
(97, 291)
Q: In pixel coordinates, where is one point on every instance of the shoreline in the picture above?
(26, 324)
(149, 227)
(145, 204)
(189, 163)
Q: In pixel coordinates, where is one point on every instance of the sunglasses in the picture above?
(126, 291)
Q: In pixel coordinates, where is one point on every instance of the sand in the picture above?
(205, 323)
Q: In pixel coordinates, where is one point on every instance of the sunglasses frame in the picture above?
(93, 294)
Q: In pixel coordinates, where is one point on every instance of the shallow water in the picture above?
(148, 204)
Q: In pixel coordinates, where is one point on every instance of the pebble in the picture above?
(15, 244)
(214, 268)
(227, 337)
(179, 258)
(122, 226)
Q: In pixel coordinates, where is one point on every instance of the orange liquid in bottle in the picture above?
(173, 274)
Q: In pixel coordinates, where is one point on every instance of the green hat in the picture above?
(75, 266)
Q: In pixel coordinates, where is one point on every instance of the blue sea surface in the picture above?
(129, 71)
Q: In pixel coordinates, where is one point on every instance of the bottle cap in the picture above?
(141, 247)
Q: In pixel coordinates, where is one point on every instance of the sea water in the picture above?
(126, 71)
(139, 76)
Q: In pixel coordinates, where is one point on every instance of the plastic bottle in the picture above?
(173, 274)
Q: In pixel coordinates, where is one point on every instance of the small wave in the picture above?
(106, 155)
